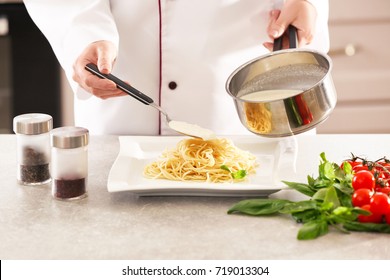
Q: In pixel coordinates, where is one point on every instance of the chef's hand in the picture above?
(103, 54)
(300, 13)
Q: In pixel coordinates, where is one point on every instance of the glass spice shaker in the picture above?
(69, 168)
(33, 148)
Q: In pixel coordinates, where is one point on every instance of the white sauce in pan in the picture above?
(270, 95)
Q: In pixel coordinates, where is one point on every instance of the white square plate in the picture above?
(276, 159)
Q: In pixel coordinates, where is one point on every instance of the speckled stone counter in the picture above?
(123, 226)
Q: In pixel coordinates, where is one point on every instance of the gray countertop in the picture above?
(123, 226)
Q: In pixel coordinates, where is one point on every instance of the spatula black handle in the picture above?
(133, 92)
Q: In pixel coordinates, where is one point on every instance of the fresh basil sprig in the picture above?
(238, 175)
(329, 206)
(369, 227)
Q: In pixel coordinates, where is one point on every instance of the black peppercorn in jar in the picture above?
(33, 148)
(69, 168)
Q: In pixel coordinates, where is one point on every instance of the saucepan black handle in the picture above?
(292, 37)
(296, 108)
(133, 92)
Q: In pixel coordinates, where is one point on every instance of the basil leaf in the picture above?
(240, 174)
(343, 214)
(361, 211)
(345, 187)
(257, 207)
(345, 200)
(224, 167)
(306, 216)
(367, 227)
(313, 229)
(342, 210)
(320, 183)
(328, 171)
(327, 206)
(302, 188)
(347, 168)
(331, 197)
(310, 181)
(299, 206)
(320, 194)
(338, 172)
(323, 157)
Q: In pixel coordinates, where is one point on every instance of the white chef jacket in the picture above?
(179, 52)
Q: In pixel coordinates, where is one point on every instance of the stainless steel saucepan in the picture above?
(283, 93)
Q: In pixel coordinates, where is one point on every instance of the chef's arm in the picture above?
(70, 26)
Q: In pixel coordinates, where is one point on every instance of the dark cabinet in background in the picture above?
(29, 71)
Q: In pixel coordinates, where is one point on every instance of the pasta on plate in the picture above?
(196, 159)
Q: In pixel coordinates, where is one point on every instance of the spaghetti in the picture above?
(258, 117)
(195, 159)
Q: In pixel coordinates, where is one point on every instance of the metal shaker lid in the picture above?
(32, 124)
(69, 137)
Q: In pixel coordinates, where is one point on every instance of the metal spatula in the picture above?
(181, 127)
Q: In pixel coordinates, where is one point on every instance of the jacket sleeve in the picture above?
(321, 37)
(71, 25)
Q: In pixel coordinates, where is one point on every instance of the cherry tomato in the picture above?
(384, 168)
(385, 190)
(386, 173)
(361, 197)
(363, 179)
(383, 163)
(373, 218)
(359, 167)
(380, 180)
(380, 204)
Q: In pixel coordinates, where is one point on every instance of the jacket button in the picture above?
(172, 85)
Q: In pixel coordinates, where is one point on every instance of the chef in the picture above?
(179, 52)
